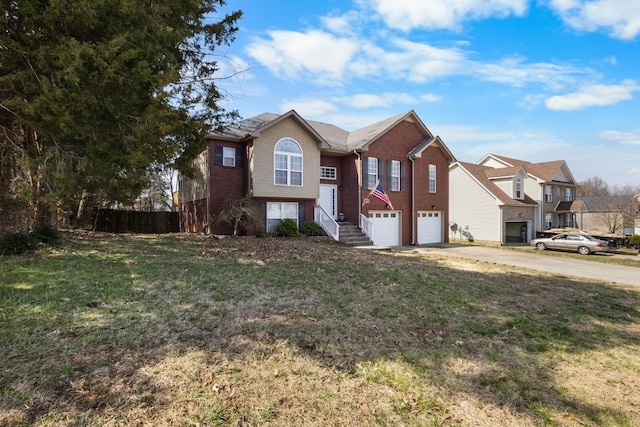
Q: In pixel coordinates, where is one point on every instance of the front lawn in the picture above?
(189, 330)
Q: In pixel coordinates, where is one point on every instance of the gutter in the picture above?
(413, 201)
(359, 175)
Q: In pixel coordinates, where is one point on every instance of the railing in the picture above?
(328, 224)
(366, 226)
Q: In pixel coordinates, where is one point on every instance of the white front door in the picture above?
(329, 199)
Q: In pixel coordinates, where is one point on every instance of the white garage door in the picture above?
(386, 227)
(429, 227)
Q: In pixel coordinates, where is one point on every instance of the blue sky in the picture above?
(537, 80)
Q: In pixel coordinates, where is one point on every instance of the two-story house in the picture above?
(500, 199)
(306, 170)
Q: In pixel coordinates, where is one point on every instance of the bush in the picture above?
(311, 228)
(17, 243)
(287, 228)
(634, 240)
(46, 234)
(22, 243)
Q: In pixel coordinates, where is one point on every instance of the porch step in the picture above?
(351, 235)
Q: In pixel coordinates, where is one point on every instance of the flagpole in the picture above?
(372, 190)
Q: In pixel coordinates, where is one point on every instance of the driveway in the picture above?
(562, 266)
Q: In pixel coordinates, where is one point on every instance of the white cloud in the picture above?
(516, 72)
(631, 138)
(293, 55)
(621, 18)
(324, 58)
(308, 107)
(443, 14)
(366, 100)
(593, 95)
(344, 24)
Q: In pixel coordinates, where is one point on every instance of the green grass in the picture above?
(187, 330)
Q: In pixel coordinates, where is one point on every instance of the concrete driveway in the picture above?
(589, 269)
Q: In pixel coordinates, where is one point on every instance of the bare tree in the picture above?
(617, 211)
(238, 212)
(594, 186)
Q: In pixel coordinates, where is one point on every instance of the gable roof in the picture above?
(332, 137)
(482, 175)
(544, 171)
(251, 127)
(433, 141)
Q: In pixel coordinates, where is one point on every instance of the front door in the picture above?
(329, 199)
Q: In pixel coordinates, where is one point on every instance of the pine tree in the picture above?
(94, 92)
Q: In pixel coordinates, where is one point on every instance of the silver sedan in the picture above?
(582, 243)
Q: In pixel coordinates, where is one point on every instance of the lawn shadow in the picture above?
(101, 336)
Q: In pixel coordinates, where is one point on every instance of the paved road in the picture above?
(532, 260)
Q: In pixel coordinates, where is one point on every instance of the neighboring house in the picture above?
(506, 200)
(619, 214)
(294, 168)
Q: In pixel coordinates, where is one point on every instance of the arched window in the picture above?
(518, 188)
(287, 163)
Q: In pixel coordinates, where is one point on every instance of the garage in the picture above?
(429, 227)
(516, 232)
(386, 227)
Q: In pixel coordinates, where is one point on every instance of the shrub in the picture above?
(634, 240)
(287, 228)
(46, 234)
(17, 243)
(311, 228)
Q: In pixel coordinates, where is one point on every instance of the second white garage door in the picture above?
(429, 227)
(386, 227)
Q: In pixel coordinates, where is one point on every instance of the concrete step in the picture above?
(351, 235)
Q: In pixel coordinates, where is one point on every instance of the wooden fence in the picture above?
(122, 221)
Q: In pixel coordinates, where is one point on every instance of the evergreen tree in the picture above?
(94, 92)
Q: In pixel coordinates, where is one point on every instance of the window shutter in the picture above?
(389, 179)
(301, 216)
(403, 167)
(380, 171)
(218, 155)
(239, 157)
(263, 213)
(365, 172)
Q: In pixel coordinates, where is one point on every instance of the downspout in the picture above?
(359, 175)
(413, 201)
(502, 227)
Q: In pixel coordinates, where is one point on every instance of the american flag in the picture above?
(379, 193)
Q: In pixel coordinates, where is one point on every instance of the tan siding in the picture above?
(262, 162)
(196, 187)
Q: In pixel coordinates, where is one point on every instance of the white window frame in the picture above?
(548, 220)
(288, 163)
(228, 156)
(432, 178)
(277, 211)
(372, 171)
(568, 194)
(328, 172)
(548, 193)
(518, 188)
(395, 175)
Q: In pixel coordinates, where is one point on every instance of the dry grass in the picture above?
(187, 330)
